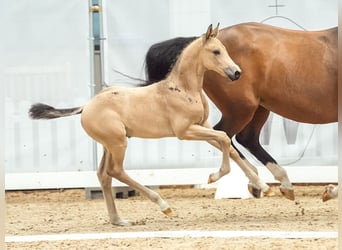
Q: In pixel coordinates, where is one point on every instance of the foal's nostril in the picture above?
(233, 73)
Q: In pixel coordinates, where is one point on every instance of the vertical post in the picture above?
(2, 169)
(96, 55)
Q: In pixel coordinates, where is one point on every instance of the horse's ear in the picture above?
(215, 31)
(209, 32)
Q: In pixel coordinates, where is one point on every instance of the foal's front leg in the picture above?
(218, 138)
(251, 175)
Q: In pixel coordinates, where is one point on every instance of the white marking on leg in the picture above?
(280, 174)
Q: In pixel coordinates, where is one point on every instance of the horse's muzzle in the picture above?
(233, 74)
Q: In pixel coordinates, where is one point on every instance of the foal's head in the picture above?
(214, 55)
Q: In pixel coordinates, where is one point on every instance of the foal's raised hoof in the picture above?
(256, 192)
(287, 193)
(168, 212)
(211, 179)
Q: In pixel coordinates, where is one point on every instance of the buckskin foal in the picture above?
(174, 107)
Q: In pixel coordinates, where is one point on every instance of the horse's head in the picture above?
(215, 56)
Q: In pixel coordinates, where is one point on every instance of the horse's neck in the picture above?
(188, 71)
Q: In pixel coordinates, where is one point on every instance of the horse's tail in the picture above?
(43, 111)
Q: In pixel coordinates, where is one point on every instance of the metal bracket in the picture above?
(95, 9)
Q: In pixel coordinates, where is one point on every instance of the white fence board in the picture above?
(158, 177)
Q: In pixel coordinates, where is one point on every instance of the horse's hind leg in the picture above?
(106, 185)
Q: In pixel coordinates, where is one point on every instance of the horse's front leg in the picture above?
(249, 138)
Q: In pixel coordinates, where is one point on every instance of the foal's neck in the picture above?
(188, 72)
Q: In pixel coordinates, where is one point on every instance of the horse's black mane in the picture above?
(161, 57)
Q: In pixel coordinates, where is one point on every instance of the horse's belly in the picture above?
(303, 98)
(149, 133)
(148, 127)
(316, 113)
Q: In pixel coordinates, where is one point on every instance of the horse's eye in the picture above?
(216, 52)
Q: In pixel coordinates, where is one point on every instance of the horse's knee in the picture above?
(224, 139)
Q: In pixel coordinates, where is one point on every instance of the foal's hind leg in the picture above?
(106, 184)
(117, 148)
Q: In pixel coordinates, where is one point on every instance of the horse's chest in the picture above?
(199, 113)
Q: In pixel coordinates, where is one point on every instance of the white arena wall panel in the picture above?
(45, 59)
(49, 61)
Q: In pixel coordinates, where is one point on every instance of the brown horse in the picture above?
(292, 73)
(175, 106)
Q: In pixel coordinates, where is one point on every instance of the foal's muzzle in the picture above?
(233, 73)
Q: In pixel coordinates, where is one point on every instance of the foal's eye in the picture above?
(216, 52)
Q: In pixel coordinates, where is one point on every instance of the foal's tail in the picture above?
(43, 111)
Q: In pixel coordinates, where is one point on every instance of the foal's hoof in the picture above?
(256, 192)
(213, 178)
(168, 212)
(122, 223)
(287, 193)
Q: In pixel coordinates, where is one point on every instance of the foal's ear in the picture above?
(212, 33)
(215, 32)
(209, 32)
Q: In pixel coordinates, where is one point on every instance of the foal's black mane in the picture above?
(161, 57)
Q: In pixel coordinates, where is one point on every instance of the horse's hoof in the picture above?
(325, 196)
(287, 193)
(269, 193)
(256, 192)
(210, 180)
(329, 193)
(168, 212)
